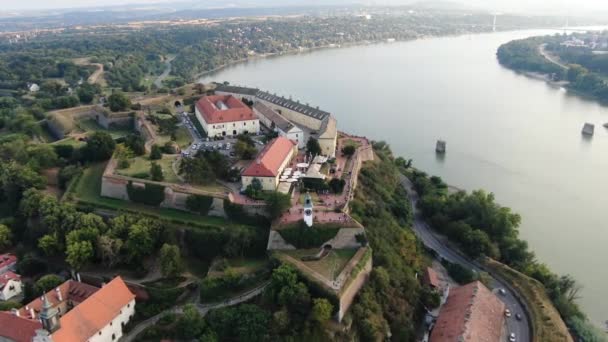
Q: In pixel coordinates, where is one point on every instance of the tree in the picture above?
(199, 204)
(321, 310)
(118, 102)
(42, 156)
(155, 152)
(337, 185)
(190, 324)
(108, 249)
(124, 155)
(276, 204)
(170, 260)
(349, 150)
(245, 151)
(254, 190)
(15, 179)
(136, 143)
(196, 170)
(140, 242)
(313, 147)
(86, 92)
(79, 254)
(49, 244)
(47, 283)
(67, 173)
(100, 146)
(5, 237)
(156, 172)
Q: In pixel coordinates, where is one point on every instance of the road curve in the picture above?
(521, 328)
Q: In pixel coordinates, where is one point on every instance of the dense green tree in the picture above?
(171, 263)
(5, 237)
(196, 170)
(244, 150)
(140, 242)
(199, 204)
(349, 150)
(155, 152)
(276, 204)
(100, 146)
(14, 180)
(321, 310)
(86, 92)
(136, 143)
(67, 173)
(118, 102)
(109, 248)
(190, 324)
(47, 283)
(313, 147)
(156, 172)
(50, 244)
(79, 254)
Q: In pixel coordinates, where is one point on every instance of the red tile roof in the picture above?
(5, 277)
(7, 260)
(269, 160)
(16, 328)
(471, 313)
(431, 277)
(236, 110)
(97, 311)
(70, 290)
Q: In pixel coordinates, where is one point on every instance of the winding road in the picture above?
(521, 328)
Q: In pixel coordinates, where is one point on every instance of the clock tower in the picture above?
(308, 210)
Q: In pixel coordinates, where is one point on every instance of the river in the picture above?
(515, 136)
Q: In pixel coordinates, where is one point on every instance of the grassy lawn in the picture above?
(141, 165)
(242, 266)
(90, 125)
(183, 138)
(87, 192)
(330, 266)
(547, 323)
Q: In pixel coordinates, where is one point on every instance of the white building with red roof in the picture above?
(10, 285)
(270, 163)
(225, 115)
(72, 312)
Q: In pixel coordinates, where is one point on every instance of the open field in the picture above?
(330, 266)
(141, 165)
(547, 323)
(183, 137)
(87, 188)
(241, 266)
(90, 125)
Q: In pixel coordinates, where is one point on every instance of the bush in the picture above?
(306, 237)
(199, 204)
(459, 273)
(150, 194)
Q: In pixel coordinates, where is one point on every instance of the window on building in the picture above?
(113, 337)
(99, 333)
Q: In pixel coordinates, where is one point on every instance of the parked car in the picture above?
(232, 154)
(518, 317)
(512, 337)
(508, 313)
(502, 292)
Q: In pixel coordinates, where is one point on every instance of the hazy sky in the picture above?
(505, 5)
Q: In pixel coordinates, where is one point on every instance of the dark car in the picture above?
(518, 317)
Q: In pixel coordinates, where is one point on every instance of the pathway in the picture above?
(159, 80)
(550, 57)
(203, 309)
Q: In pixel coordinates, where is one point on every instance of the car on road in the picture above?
(512, 337)
(502, 292)
(232, 154)
(508, 313)
(518, 317)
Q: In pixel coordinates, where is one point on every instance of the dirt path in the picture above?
(97, 76)
(553, 59)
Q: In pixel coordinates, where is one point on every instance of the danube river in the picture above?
(507, 133)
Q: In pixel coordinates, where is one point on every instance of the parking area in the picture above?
(202, 143)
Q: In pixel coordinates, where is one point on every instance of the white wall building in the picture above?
(10, 285)
(225, 115)
(278, 123)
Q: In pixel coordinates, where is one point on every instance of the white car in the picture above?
(508, 313)
(512, 337)
(502, 292)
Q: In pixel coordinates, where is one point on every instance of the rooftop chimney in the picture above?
(32, 313)
(59, 294)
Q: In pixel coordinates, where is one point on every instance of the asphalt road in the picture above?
(424, 233)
